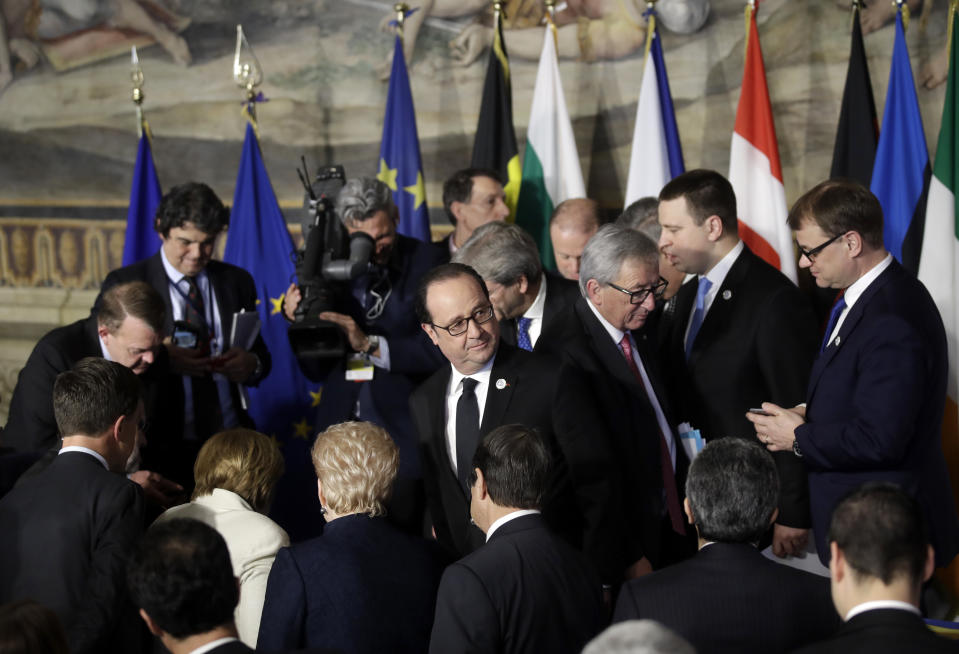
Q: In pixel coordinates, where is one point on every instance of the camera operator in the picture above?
(390, 353)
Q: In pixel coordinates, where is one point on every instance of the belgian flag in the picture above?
(495, 143)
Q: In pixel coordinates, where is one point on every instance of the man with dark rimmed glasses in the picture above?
(487, 384)
(874, 406)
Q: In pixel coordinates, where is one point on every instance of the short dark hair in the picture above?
(459, 187)
(881, 532)
(136, 299)
(180, 574)
(27, 627)
(193, 202)
(88, 399)
(838, 206)
(515, 462)
(733, 489)
(707, 194)
(438, 274)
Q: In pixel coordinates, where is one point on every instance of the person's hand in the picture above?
(789, 541)
(776, 430)
(157, 488)
(638, 569)
(236, 364)
(357, 337)
(188, 360)
(470, 43)
(291, 300)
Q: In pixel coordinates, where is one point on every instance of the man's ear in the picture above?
(773, 516)
(523, 283)
(480, 484)
(593, 292)
(102, 331)
(455, 209)
(930, 566)
(837, 563)
(714, 226)
(853, 243)
(430, 331)
(151, 625)
(688, 509)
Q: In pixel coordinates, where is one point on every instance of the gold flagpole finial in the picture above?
(903, 9)
(499, 11)
(650, 25)
(247, 73)
(400, 8)
(136, 78)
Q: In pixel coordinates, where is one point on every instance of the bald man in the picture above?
(573, 223)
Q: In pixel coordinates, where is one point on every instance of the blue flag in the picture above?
(900, 176)
(401, 167)
(258, 241)
(141, 239)
(675, 149)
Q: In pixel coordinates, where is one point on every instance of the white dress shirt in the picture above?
(85, 450)
(499, 522)
(855, 291)
(716, 276)
(881, 604)
(535, 313)
(453, 392)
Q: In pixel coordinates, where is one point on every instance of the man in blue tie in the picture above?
(742, 333)
(529, 303)
(875, 400)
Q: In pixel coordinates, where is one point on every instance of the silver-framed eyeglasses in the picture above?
(459, 327)
(639, 296)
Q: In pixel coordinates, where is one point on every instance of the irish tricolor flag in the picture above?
(754, 168)
(551, 171)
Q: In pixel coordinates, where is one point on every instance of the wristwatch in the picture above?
(374, 344)
(796, 449)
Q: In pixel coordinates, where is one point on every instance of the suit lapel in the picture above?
(718, 317)
(608, 352)
(157, 278)
(505, 367)
(682, 307)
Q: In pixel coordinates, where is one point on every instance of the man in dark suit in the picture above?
(729, 597)
(528, 302)
(375, 313)
(472, 197)
(181, 579)
(488, 384)
(880, 558)
(201, 296)
(127, 328)
(69, 528)
(875, 401)
(741, 335)
(600, 341)
(525, 590)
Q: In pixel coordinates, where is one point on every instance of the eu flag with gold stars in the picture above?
(259, 242)
(400, 165)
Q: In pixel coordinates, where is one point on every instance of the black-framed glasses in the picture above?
(459, 327)
(638, 297)
(811, 254)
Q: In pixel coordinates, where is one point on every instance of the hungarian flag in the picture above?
(858, 132)
(494, 146)
(551, 171)
(939, 263)
(900, 176)
(657, 155)
(754, 168)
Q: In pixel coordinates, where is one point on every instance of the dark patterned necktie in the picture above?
(207, 413)
(522, 334)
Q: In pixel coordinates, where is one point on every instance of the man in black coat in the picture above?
(201, 297)
(69, 528)
(729, 597)
(880, 558)
(525, 590)
(529, 303)
(488, 384)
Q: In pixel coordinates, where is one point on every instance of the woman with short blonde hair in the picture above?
(356, 465)
(236, 471)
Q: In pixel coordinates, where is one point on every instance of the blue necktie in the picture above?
(698, 314)
(522, 334)
(833, 319)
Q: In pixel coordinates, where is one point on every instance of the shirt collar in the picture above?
(881, 604)
(717, 274)
(506, 518)
(172, 273)
(482, 375)
(213, 645)
(536, 309)
(858, 287)
(85, 450)
(614, 333)
(103, 349)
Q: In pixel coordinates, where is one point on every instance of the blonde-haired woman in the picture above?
(363, 586)
(235, 473)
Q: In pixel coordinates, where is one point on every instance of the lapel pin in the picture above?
(501, 384)
(837, 341)
(727, 294)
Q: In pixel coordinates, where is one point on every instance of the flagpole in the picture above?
(551, 21)
(136, 77)
(247, 73)
(401, 9)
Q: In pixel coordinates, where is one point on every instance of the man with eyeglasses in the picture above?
(603, 343)
(874, 406)
(489, 384)
(742, 333)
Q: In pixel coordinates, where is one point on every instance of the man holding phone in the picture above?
(201, 296)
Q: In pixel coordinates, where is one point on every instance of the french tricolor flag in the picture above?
(754, 168)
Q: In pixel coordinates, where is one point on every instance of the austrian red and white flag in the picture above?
(754, 168)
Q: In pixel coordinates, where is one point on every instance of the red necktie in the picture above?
(666, 463)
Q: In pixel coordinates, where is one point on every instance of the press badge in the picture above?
(359, 368)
